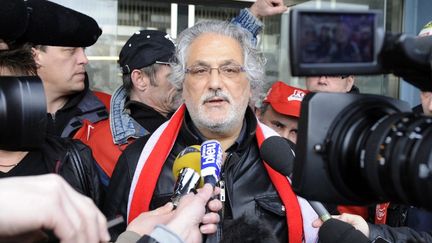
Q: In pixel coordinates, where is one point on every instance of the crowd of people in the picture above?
(110, 157)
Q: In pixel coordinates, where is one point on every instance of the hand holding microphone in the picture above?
(343, 228)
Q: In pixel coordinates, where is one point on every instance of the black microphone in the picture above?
(335, 231)
(187, 172)
(279, 154)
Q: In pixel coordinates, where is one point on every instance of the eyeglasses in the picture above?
(202, 71)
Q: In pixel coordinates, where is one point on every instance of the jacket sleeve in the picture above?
(116, 201)
(96, 190)
(397, 234)
(248, 21)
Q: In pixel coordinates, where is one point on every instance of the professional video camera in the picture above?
(360, 149)
(22, 113)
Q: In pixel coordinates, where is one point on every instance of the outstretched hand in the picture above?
(30, 204)
(262, 8)
(191, 212)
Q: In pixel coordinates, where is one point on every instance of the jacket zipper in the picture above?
(222, 197)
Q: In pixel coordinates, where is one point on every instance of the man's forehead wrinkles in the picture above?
(221, 62)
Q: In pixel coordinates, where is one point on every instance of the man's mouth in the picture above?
(216, 100)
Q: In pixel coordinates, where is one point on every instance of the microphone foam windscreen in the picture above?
(190, 157)
(277, 152)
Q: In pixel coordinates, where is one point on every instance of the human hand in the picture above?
(262, 8)
(32, 203)
(191, 212)
(355, 220)
(145, 222)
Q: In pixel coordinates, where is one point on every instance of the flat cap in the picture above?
(55, 25)
(13, 19)
(144, 48)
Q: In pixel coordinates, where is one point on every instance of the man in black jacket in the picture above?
(59, 35)
(218, 71)
(34, 152)
(70, 159)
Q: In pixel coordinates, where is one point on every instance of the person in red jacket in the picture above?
(144, 101)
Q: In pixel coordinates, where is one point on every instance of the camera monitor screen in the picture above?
(333, 41)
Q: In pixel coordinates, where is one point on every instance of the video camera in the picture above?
(360, 149)
(23, 116)
(337, 42)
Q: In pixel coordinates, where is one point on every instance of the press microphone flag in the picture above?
(211, 161)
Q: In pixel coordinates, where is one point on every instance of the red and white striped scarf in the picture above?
(298, 211)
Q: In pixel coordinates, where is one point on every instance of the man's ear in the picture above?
(140, 80)
(37, 56)
(350, 82)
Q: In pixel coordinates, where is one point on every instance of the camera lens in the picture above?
(348, 137)
(22, 113)
(379, 154)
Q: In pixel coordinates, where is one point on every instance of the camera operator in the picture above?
(55, 153)
(23, 154)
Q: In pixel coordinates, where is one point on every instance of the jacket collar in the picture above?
(123, 126)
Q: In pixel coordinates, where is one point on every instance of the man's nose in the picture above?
(322, 79)
(82, 57)
(215, 79)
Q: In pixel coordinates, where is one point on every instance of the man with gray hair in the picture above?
(218, 70)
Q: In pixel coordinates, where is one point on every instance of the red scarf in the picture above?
(149, 168)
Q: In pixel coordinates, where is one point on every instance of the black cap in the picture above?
(144, 48)
(13, 19)
(55, 25)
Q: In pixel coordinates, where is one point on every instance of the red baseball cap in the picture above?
(285, 99)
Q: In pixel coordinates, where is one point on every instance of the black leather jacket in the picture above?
(249, 190)
(78, 168)
(397, 234)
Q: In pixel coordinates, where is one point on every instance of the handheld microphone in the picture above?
(186, 171)
(211, 161)
(211, 164)
(334, 230)
(279, 154)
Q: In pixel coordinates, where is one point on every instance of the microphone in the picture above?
(334, 230)
(279, 154)
(211, 164)
(186, 171)
(211, 161)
